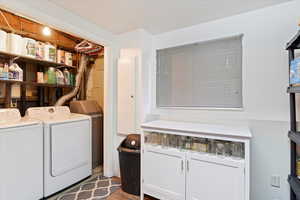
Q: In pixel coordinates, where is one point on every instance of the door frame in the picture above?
(41, 13)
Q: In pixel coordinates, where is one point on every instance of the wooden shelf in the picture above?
(29, 99)
(45, 63)
(36, 84)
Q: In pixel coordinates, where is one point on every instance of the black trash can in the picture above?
(130, 164)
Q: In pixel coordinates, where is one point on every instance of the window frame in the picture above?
(242, 108)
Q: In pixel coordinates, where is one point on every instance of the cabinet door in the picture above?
(164, 174)
(214, 178)
(126, 95)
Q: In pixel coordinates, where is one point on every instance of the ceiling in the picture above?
(158, 16)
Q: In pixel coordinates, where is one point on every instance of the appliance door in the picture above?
(70, 146)
(21, 168)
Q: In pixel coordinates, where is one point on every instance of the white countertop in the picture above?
(189, 127)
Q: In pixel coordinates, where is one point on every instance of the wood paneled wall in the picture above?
(28, 28)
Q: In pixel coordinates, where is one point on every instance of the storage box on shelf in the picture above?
(186, 161)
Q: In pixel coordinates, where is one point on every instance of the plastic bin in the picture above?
(92, 108)
(130, 162)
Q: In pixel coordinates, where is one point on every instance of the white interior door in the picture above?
(70, 149)
(126, 95)
(164, 174)
(213, 178)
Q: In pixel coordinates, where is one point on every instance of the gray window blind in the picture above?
(206, 74)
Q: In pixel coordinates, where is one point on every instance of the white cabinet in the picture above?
(166, 177)
(126, 95)
(183, 172)
(214, 178)
(170, 174)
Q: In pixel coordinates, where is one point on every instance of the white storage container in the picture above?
(60, 79)
(19, 72)
(14, 43)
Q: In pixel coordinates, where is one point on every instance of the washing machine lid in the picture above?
(11, 117)
(54, 114)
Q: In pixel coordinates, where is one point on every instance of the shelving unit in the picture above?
(50, 90)
(36, 84)
(45, 63)
(29, 93)
(293, 134)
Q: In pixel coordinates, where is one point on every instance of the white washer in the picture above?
(67, 146)
(21, 153)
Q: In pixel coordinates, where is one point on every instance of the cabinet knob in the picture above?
(187, 165)
(182, 165)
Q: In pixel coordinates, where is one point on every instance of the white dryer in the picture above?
(67, 147)
(21, 153)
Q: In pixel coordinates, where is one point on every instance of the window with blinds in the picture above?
(205, 74)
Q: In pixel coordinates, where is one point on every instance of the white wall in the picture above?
(265, 79)
(53, 15)
(137, 43)
(265, 71)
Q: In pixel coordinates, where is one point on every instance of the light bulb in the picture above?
(46, 31)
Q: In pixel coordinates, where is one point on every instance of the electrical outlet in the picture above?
(275, 181)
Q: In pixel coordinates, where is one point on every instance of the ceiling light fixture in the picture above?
(46, 31)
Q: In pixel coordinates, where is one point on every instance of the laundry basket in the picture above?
(130, 161)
